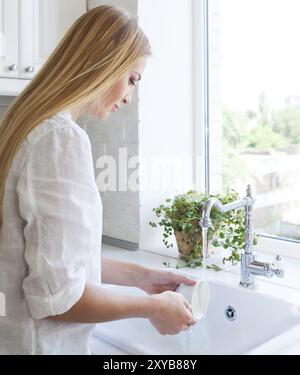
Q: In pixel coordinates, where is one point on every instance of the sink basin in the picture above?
(237, 321)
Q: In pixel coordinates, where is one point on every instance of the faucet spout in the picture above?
(247, 203)
(205, 221)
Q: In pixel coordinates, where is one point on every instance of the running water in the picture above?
(204, 251)
(197, 336)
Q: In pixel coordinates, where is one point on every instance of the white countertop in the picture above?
(287, 288)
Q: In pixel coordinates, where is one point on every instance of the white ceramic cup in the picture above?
(197, 295)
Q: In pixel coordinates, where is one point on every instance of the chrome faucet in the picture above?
(250, 267)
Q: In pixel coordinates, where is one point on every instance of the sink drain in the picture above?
(230, 313)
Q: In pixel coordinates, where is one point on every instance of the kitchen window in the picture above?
(252, 110)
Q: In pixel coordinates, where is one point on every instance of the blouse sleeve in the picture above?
(57, 200)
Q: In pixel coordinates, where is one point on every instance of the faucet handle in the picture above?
(279, 272)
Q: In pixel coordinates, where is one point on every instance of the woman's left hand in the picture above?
(157, 281)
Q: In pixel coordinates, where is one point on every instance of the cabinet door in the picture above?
(9, 48)
(43, 24)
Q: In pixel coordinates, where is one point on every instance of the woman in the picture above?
(51, 210)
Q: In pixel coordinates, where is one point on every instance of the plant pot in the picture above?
(186, 242)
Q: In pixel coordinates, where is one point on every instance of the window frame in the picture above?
(202, 163)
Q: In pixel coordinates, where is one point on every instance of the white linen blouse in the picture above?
(50, 239)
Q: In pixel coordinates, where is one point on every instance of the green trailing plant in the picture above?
(182, 214)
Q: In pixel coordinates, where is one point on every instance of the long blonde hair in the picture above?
(94, 53)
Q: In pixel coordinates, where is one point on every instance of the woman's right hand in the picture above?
(171, 313)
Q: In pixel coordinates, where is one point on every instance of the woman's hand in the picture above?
(158, 281)
(171, 313)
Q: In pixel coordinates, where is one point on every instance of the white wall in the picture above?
(166, 109)
(216, 152)
(130, 5)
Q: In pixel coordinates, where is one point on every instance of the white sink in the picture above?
(259, 318)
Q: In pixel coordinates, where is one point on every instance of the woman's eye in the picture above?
(132, 82)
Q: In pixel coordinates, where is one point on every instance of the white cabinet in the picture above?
(9, 41)
(29, 32)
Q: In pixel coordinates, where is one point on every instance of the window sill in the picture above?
(156, 258)
(287, 249)
(284, 248)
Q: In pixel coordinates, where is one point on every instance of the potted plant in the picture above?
(180, 216)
